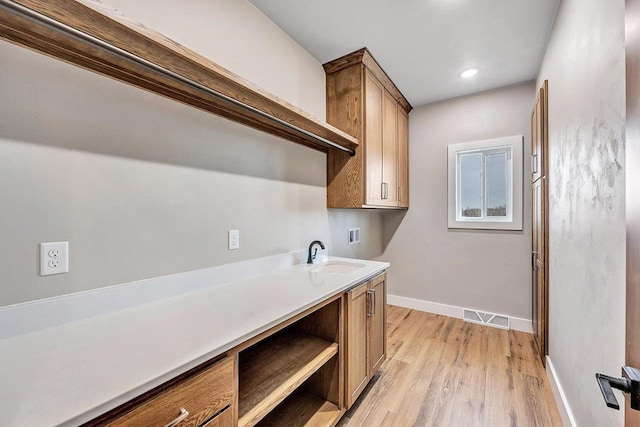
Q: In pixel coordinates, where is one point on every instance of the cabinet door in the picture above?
(377, 323)
(403, 158)
(357, 373)
(374, 95)
(389, 150)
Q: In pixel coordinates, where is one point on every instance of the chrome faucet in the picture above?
(313, 257)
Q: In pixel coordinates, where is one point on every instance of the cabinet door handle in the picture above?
(372, 303)
(534, 163)
(183, 414)
(399, 193)
(384, 190)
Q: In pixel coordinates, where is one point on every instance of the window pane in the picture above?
(471, 185)
(496, 164)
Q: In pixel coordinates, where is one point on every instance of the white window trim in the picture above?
(516, 178)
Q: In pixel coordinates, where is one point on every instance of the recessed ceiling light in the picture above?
(468, 73)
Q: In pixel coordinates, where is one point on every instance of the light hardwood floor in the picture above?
(442, 371)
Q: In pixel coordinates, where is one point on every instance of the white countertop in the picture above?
(86, 365)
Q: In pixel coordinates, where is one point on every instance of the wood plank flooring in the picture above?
(442, 371)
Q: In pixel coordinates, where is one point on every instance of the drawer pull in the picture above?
(183, 414)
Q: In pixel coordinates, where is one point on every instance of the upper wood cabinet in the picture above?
(364, 102)
(403, 158)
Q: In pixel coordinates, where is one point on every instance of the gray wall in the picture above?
(486, 270)
(142, 186)
(584, 64)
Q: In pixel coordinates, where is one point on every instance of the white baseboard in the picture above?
(520, 324)
(561, 398)
(515, 323)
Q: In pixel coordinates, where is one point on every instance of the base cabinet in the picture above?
(305, 371)
(365, 335)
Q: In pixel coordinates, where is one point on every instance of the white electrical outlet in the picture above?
(54, 258)
(234, 239)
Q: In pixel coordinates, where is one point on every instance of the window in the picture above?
(485, 184)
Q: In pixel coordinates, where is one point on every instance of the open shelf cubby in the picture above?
(294, 373)
(303, 408)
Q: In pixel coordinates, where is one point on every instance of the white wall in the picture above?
(584, 64)
(143, 186)
(486, 270)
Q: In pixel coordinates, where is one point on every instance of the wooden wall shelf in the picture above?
(68, 30)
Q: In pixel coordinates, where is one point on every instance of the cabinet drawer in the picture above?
(202, 395)
(223, 419)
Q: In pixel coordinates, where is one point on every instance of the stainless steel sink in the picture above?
(337, 267)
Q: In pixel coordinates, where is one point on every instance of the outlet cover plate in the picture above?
(54, 258)
(234, 239)
(354, 236)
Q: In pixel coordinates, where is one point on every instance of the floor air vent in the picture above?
(489, 319)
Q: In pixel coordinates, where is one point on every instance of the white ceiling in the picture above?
(424, 44)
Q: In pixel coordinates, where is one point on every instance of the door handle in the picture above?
(629, 383)
(534, 163)
(534, 264)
